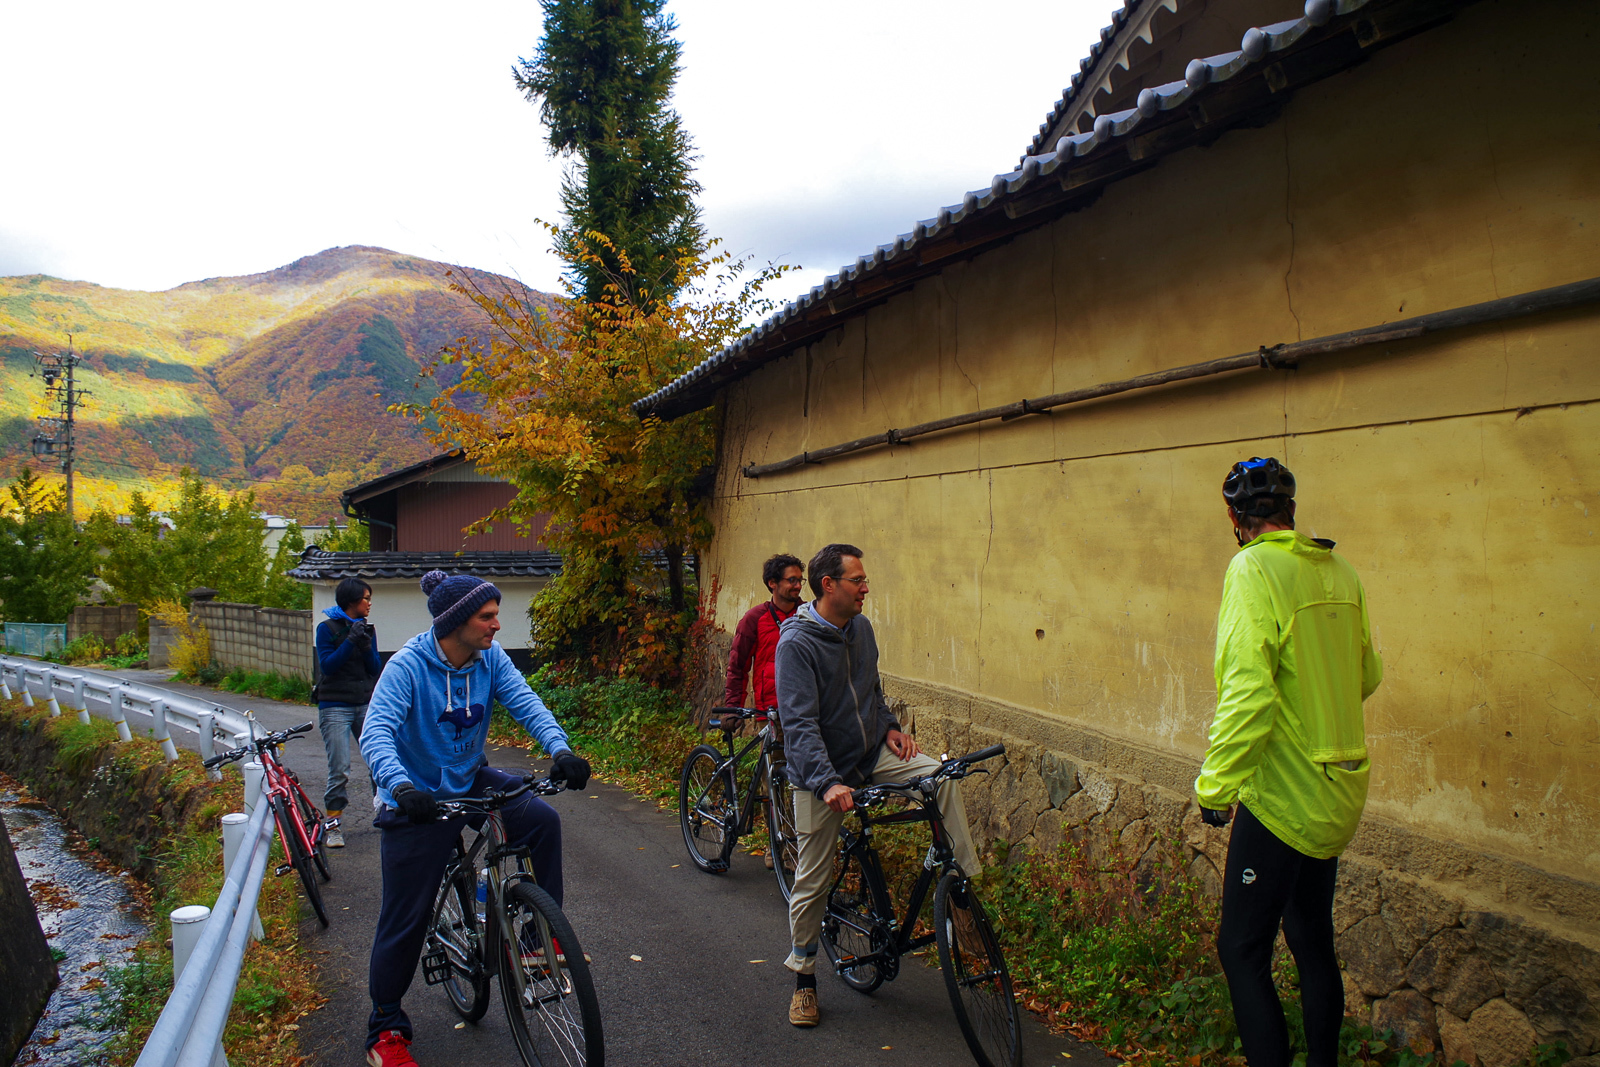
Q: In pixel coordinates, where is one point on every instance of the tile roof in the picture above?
(1216, 93)
(1086, 69)
(320, 565)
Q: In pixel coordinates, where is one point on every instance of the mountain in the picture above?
(276, 381)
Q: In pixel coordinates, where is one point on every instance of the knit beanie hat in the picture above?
(453, 598)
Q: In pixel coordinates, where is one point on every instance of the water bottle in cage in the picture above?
(483, 893)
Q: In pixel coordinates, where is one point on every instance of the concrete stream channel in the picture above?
(687, 966)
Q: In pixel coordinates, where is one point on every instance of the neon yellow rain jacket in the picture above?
(1294, 662)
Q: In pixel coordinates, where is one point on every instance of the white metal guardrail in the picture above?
(189, 1032)
(164, 708)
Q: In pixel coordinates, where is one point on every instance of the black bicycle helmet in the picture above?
(1258, 487)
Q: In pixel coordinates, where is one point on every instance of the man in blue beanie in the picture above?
(423, 742)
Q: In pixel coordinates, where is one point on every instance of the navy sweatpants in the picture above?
(413, 860)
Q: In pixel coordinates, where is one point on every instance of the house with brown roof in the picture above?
(1362, 236)
(417, 517)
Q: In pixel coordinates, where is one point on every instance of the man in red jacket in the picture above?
(756, 637)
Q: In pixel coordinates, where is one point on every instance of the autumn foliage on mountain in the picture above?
(280, 381)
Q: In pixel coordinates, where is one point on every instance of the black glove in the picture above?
(570, 768)
(361, 632)
(416, 805)
(1214, 817)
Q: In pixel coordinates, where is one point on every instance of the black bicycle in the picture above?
(516, 931)
(709, 807)
(865, 940)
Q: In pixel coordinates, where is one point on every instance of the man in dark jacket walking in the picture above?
(840, 735)
(347, 656)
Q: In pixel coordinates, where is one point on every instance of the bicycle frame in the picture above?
(279, 781)
(744, 818)
(939, 859)
(489, 843)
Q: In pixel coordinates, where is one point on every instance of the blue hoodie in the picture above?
(427, 720)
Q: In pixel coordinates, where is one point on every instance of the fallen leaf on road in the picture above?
(461, 1026)
(641, 848)
(758, 961)
(677, 865)
(292, 1026)
(594, 796)
(886, 1048)
(637, 959)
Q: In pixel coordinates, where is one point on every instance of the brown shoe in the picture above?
(803, 1008)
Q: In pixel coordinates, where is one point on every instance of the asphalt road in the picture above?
(687, 966)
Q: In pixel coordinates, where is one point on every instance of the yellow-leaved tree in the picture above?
(547, 404)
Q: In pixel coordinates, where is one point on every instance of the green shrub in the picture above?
(268, 684)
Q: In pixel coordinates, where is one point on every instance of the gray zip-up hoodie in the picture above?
(830, 700)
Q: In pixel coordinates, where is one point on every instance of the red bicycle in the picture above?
(301, 826)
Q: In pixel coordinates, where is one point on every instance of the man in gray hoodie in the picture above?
(840, 735)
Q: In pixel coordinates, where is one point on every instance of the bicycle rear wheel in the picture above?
(849, 929)
(782, 839)
(545, 984)
(455, 929)
(295, 852)
(975, 974)
(707, 808)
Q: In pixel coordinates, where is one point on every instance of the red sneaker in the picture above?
(392, 1050)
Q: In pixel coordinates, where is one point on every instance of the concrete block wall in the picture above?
(106, 621)
(258, 639)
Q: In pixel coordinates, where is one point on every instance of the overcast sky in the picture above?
(146, 145)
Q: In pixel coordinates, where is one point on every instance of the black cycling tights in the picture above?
(1267, 881)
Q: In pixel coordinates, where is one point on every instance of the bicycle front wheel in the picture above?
(545, 985)
(311, 817)
(295, 852)
(782, 839)
(975, 974)
(707, 808)
(456, 929)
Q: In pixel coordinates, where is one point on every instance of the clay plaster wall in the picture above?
(1054, 580)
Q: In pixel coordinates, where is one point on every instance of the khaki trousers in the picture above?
(818, 828)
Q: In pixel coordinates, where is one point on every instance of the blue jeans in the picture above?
(339, 723)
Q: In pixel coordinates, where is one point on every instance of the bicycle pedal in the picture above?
(282, 869)
(436, 967)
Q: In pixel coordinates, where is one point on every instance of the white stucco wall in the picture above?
(400, 611)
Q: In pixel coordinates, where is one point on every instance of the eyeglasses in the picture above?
(855, 581)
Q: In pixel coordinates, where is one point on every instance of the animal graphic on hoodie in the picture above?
(463, 718)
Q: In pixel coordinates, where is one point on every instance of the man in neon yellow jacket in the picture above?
(1288, 747)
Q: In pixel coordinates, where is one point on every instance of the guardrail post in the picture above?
(5, 685)
(158, 712)
(79, 701)
(118, 715)
(208, 742)
(233, 827)
(22, 684)
(50, 693)
(188, 922)
(253, 775)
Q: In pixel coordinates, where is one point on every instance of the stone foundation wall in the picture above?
(257, 638)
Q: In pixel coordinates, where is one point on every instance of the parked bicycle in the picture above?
(513, 930)
(709, 807)
(301, 827)
(865, 940)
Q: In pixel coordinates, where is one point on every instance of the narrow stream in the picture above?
(89, 914)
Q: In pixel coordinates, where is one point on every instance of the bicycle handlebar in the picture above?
(722, 715)
(543, 787)
(269, 741)
(950, 769)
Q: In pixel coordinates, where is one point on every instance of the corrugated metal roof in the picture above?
(320, 565)
(1166, 118)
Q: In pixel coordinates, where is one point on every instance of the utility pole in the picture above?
(62, 398)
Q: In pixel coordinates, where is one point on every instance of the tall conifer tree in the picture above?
(602, 76)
